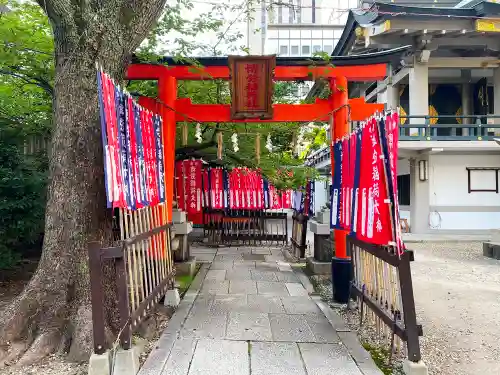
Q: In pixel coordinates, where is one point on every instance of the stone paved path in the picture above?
(252, 315)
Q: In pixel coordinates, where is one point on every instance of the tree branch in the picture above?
(40, 82)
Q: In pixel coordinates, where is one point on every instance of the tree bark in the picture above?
(53, 312)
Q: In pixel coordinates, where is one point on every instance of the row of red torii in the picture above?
(337, 109)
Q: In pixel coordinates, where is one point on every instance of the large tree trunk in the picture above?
(53, 312)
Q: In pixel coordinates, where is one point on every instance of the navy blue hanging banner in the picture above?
(336, 186)
(355, 192)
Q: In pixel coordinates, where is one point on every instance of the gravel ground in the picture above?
(457, 294)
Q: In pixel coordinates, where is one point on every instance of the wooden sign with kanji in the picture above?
(252, 86)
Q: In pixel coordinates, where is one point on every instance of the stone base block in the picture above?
(491, 250)
(99, 364)
(319, 228)
(126, 362)
(178, 216)
(186, 268)
(183, 228)
(415, 368)
(318, 268)
(172, 298)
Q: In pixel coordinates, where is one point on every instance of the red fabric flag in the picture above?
(193, 188)
(133, 153)
(112, 130)
(219, 188)
(206, 189)
(374, 219)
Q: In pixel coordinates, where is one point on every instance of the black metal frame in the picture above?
(299, 245)
(469, 187)
(251, 230)
(406, 328)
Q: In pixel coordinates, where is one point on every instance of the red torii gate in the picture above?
(334, 109)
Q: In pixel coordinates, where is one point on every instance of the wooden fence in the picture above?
(383, 287)
(144, 272)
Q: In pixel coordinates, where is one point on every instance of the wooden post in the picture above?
(97, 298)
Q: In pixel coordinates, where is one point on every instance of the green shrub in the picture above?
(22, 199)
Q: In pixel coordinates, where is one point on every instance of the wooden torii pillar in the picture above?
(334, 109)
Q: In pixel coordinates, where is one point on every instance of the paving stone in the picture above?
(274, 258)
(255, 257)
(271, 358)
(284, 267)
(205, 326)
(201, 250)
(259, 275)
(242, 262)
(218, 275)
(272, 288)
(288, 277)
(248, 326)
(204, 257)
(239, 273)
(215, 287)
(300, 305)
(180, 357)
(242, 286)
(262, 303)
(221, 357)
(322, 329)
(323, 359)
(261, 251)
(285, 327)
(225, 303)
(222, 265)
(266, 266)
(296, 289)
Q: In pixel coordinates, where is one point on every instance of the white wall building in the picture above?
(448, 90)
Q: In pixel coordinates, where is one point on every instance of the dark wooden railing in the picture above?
(143, 273)
(383, 287)
(299, 234)
(449, 128)
(244, 227)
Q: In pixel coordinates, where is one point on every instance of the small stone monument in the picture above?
(320, 264)
(185, 264)
(491, 249)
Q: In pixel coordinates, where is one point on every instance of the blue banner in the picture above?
(336, 186)
(140, 155)
(355, 190)
(159, 157)
(122, 144)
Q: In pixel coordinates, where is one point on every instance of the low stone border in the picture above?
(158, 357)
(360, 355)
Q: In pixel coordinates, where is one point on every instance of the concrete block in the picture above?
(270, 288)
(100, 364)
(172, 298)
(495, 251)
(126, 362)
(487, 250)
(222, 357)
(178, 216)
(183, 228)
(318, 268)
(296, 289)
(324, 217)
(319, 228)
(300, 305)
(186, 268)
(248, 326)
(414, 368)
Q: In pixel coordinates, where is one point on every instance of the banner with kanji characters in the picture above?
(364, 185)
(133, 149)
